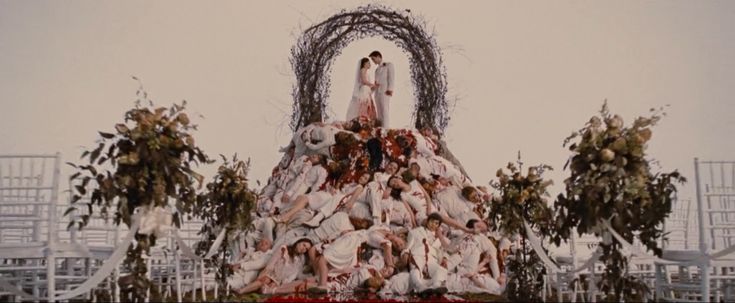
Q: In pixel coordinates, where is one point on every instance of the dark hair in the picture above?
(345, 138)
(467, 191)
(391, 178)
(471, 223)
(363, 61)
(408, 177)
(402, 141)
(353, 125)
(376, 54)
(394, 192)
(401, 264)
(322, 159)
(365, 172)
(435, 216)
(292, 247)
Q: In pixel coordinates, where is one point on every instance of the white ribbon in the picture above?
(638, 252)
(156, 221)
(188, 252)
(104, 272)
(536, 245)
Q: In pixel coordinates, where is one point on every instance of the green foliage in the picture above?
(611, 178)
(144, 163)
(227, 203)
(526, 276)
(522, 198)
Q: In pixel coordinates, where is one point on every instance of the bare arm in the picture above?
(429, 210)
(410, 213)
(353, 198)
(364, 78)
(271, 263)
(255, 264)
(439, 235)
(456, 224)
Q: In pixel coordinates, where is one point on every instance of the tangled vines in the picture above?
(320, 44)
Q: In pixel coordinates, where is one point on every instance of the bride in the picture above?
(362, 103)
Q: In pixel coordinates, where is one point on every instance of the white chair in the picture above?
(569, 285)
(707, 273)
(195, 274)
(88, 248)
(29, 187)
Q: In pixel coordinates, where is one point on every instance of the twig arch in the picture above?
(319, 45)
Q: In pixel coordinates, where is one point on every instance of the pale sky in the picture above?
(525, 74)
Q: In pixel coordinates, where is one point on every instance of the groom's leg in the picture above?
(386, 110)
(379, 107)
(382, 107)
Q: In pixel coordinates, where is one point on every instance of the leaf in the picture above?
(96, 153)
(81, 190)
(68, 211)
(106, 135)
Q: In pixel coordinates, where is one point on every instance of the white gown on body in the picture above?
(362, 103)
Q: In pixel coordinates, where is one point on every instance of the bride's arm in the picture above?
(364, 78)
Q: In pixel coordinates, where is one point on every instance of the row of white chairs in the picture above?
(41, 258)
(697, 266)
(693, 231)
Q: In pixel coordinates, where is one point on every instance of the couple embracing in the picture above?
(363, 104)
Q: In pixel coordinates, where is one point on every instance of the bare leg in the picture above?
(478, 283)
(388, 255)
(313, 258)
(298, 205)
(295, 286)
(256, 285)
(323, 271)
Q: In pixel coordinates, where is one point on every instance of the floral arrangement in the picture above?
(522, 199)
(611, 179)
(227, 204)
(140, 167)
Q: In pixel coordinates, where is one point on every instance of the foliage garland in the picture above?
(611, 178)
(314, 52)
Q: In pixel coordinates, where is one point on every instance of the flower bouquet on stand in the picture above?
(612, 179)
(522, 200)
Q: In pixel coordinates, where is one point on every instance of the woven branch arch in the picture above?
(320, 44)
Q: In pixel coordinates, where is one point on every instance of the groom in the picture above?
(384, 90)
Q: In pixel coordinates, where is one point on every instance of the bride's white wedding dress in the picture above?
(362, 103)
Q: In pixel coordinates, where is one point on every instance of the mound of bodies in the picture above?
(356, 207)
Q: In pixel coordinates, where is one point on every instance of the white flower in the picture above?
(156, 221)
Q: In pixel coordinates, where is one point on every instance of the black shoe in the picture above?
(426, 293)
(441, 290)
